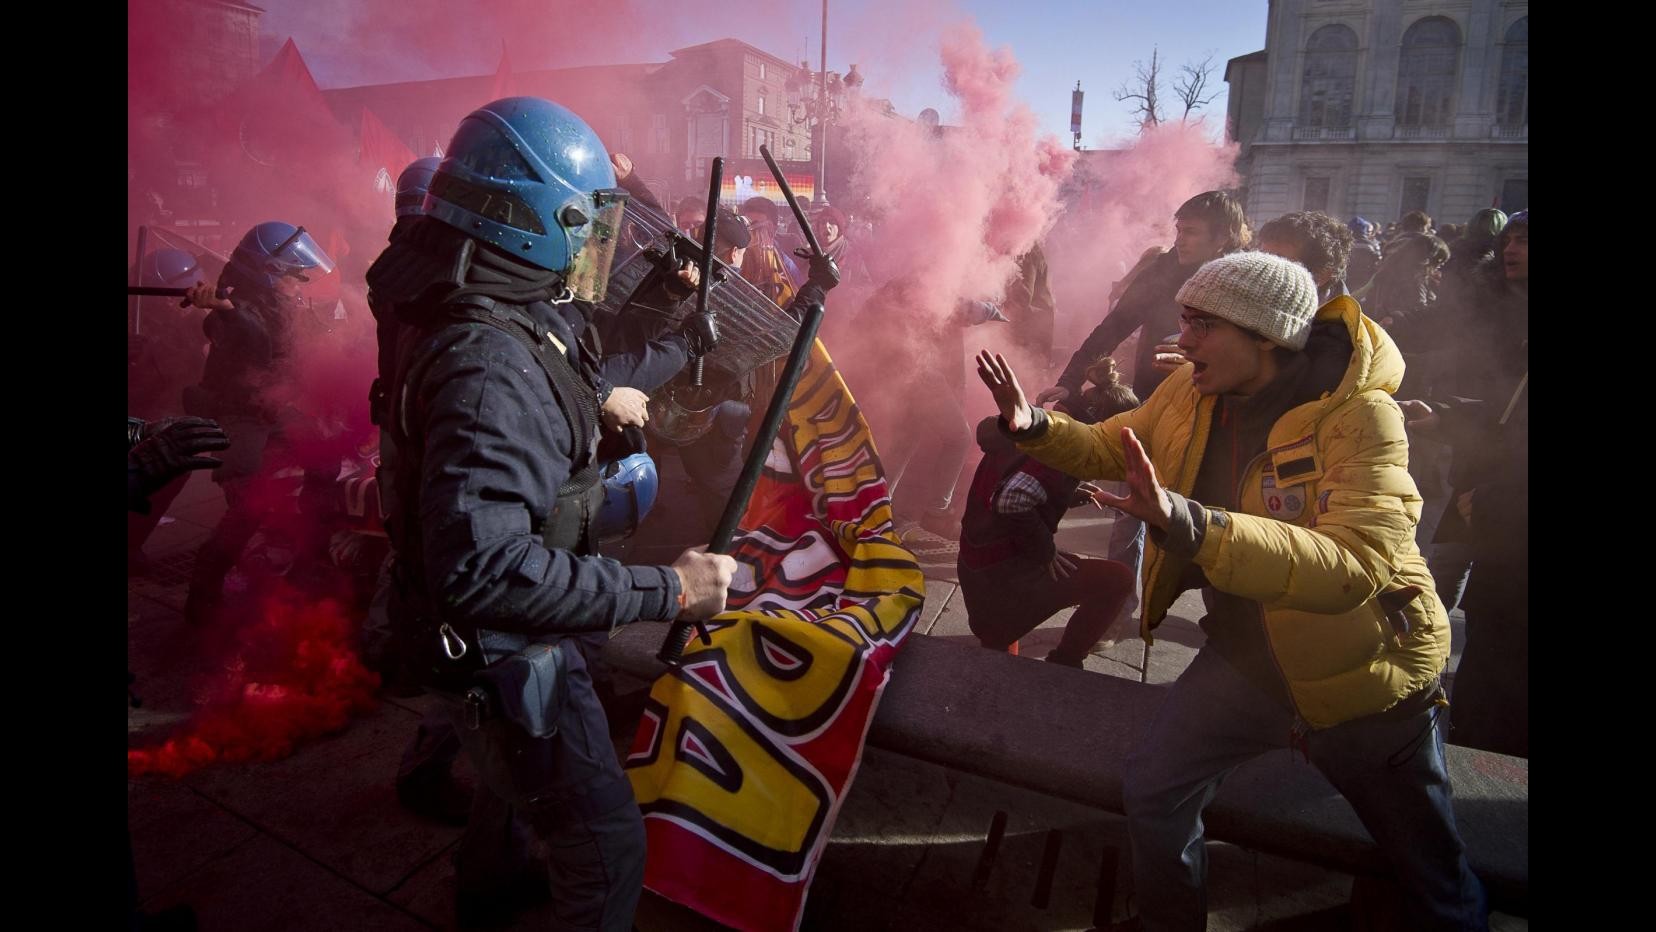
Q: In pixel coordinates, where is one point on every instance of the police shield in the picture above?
(753, 330)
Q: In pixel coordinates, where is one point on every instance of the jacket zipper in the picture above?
(1299, 732)
(1186, 482)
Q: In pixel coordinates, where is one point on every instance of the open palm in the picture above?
(1146, 499)
(1002, 382)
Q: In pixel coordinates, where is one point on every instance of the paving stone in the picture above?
(204, 513)
(175, 831)
(334, 800)
(265, 886)
(940, 593)
(174, 537)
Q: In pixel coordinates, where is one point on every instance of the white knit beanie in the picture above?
(1270, 295)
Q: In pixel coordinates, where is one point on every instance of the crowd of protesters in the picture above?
(1341, 314)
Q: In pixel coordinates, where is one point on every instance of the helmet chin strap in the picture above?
(562, 296)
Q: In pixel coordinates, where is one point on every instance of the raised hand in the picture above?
(1146, 499)
(997, 374)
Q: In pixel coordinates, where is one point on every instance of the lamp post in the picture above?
(820, 109)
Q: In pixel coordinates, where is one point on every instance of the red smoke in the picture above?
(1123, 204)
(293, 675)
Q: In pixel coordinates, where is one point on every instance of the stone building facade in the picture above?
(1379, 107)
(672, 118)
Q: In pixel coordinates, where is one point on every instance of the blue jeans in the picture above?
(1126, 547)
(1214, 720)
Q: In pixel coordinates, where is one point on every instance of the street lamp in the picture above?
(821, 109)
(817, 99)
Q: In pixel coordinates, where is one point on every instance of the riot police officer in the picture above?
(249, 325)
(491, 484)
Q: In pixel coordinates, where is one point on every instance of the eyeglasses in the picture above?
(1200, 326)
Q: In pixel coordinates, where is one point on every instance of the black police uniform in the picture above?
(491, 482)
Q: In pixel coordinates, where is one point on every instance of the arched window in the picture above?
(1330, 81)
(1512, 105)
(1426, 73)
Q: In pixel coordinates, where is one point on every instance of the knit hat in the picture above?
(1270, 295)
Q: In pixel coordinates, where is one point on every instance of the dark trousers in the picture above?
(1392, 771)
(1491, 693)
(140, 527)
(1000, 610)
(218, 555)
(568, 792)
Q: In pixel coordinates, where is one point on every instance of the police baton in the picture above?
(793, 202)
(708, 228)
(678, 636)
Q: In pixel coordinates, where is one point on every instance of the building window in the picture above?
(1330, 80)
(1512, 106)
(761, 71)
(761, 104)
(658, 133)
(1514, 195)
(1426, 73)
(1416, 191)
(1316, 194)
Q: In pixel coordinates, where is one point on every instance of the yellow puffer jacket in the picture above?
(1326, 527)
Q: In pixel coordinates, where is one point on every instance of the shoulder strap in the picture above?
(574, 396)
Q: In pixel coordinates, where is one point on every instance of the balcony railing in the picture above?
(1325, 132)
(1421, 132)
(1509, 132)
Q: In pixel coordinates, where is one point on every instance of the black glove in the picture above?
(824, 273)
(701, 331)
(169, 448)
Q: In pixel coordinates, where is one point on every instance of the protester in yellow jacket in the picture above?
(1287, 501)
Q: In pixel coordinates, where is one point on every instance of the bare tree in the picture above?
(1142, 91)
(1192, 81)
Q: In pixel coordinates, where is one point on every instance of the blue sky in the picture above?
(1056, 42)
(1097, 41)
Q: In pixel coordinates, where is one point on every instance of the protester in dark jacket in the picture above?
(1012, 575)
(1208, 225)
(1365, 253)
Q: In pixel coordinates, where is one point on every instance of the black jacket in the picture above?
(494, 447)
(1147, 303)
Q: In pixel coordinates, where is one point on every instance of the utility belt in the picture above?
(522, 681)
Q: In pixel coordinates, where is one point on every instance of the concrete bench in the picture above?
(1067, 733)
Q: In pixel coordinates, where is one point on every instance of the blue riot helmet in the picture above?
(630, 485)
(274, 249)
(532, 179)
(413, 184)
(1360, 228)
(171, 268)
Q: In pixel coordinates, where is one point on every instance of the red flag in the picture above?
(503, 85)
(381, 154)
(746, 751)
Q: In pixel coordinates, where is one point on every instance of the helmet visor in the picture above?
(301, 252)
(590, 272)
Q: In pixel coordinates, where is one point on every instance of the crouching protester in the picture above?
(1288, 503)
(1012, 574)
(492, 491)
